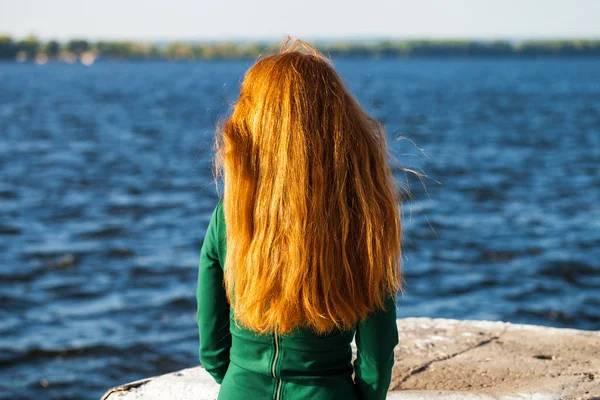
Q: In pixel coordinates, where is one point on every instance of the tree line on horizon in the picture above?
(31, 48)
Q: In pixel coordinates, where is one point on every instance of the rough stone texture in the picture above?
(449, 359)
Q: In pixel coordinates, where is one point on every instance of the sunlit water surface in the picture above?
(106, 192)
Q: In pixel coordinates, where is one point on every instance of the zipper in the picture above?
(273, 371)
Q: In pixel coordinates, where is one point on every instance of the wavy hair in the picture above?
(310, 203)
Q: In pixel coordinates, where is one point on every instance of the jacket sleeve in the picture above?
(213, 307)
(376, 338)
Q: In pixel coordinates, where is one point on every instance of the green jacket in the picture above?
(301, 365)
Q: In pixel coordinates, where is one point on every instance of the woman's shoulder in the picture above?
(219, 210)
(222, 231)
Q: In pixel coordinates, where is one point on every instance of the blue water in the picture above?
(106, 191)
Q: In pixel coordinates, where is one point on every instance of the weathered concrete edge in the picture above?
(128, 386)
(446, 322)
(206, 381)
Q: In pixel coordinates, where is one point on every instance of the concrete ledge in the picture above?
(448, 359)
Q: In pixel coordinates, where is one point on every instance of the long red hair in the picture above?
(310, 203)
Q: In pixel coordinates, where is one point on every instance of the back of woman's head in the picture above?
(310, 203)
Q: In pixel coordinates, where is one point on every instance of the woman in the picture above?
(302, 254)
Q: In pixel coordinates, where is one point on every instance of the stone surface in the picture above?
(449, 359)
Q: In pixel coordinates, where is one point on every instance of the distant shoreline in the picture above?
(87, 52)
(100, 60)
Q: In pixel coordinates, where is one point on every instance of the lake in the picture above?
(106, 191)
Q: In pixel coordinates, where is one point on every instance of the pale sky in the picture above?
(305, 19)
